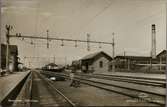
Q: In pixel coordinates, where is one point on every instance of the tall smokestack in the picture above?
(153, 42)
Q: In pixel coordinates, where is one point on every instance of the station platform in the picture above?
(9, 82)
(140, 75)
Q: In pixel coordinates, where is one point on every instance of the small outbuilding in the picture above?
(96, 62)
(161, 57)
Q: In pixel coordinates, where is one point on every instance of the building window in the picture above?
(101, 64)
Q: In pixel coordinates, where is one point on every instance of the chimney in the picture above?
(153, 42)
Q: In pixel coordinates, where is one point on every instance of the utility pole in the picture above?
(113, 54)
(65, 60)
(47, 31)
(24, 60)
(88, 44)
(54, 59)
(0, 42)
(128, 64)
(124, 60)
(124, 53)
(160, 63)
(8, 28)
(29, 64)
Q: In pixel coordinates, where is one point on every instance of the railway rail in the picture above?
(49, 91)
(136, 77)
(142, 81)
(148, 96)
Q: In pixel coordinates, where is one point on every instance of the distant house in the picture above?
(76, 64)
(96, 62)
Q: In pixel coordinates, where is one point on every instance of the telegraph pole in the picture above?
(54, 60)
(124, 60)
(88, 44)
(65, 60)
(113, 54)
(0, 41)
(47, 31)
(8, 28)
(160, 62)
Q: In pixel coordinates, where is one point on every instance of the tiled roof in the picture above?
(90, 56)
(162, 53)
(93, 55)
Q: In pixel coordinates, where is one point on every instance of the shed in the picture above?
(162, 56)
(96, 62)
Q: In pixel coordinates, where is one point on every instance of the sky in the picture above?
(130, 20)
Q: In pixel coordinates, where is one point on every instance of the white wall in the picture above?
(105, 67)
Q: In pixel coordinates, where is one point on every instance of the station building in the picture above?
(95, 62)
(13, 56)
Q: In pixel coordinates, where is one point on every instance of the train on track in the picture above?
(53, 67)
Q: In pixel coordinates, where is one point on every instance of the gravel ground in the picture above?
(91, 96)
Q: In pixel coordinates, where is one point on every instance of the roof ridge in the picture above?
(91, 55)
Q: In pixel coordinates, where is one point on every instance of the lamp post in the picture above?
(113, 54)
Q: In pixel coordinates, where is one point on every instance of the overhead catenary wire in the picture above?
(59, 39)
(88, 41)
(97, 14)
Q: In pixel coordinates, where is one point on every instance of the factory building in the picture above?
(132, 62)
(96, 62)
(141, 63)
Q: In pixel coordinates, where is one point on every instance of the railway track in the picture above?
(48, 94)
(140, 94)
(142, 81)
(136, 77)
